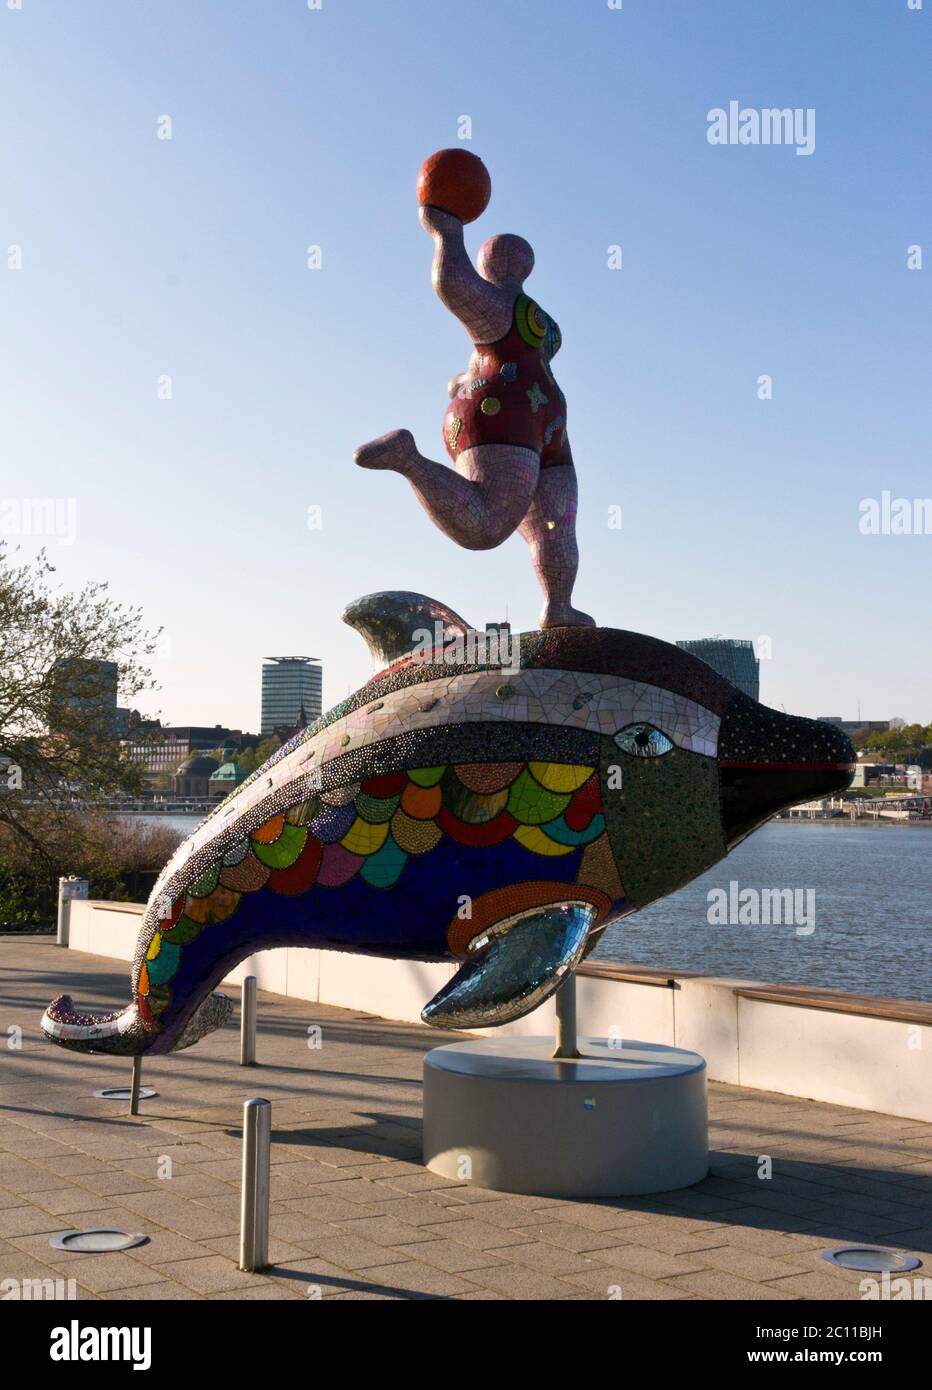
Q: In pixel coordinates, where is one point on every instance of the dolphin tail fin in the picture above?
(120, 1033)
(124, 1033)
(513, 967)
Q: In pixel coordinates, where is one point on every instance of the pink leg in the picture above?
(550, 530)
(478, 504)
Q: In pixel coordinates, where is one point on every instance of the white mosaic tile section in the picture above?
(595, 703)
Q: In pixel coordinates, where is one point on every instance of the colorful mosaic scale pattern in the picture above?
(369, 836)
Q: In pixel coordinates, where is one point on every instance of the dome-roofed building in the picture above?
(193, 776)
(226, 778)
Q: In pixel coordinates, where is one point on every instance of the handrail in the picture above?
(837, 1002)
(800, 996)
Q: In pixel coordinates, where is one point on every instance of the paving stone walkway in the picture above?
(354, 1214)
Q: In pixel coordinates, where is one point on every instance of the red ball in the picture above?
(456, 181)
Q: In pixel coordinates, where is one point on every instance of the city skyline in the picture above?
(849, 723)
(238, 297)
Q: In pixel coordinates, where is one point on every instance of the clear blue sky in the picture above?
(292, 127)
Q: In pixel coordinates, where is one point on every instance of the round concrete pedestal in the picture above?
(619, 1121)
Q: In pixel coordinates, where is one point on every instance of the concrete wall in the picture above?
(867, 1062)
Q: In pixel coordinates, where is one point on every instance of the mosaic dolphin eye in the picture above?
(643, 741)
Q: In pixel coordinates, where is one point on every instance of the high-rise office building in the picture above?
(290, 685)
(731, 657)
(83, 691)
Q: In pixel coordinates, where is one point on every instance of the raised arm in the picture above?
(485, 310)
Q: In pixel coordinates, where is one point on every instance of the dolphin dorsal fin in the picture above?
(391, 621)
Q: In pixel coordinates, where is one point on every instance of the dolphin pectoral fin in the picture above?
(513, 967)
(388, 622)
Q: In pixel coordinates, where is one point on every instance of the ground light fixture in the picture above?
(873, 1259)
(97, 1240)
(124, 1093)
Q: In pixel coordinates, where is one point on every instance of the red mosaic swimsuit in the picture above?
(509, 395)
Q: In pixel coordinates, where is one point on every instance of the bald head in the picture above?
(506, 260)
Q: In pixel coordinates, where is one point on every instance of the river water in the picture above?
(871, 912)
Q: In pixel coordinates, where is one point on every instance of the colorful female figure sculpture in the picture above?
(505, 427)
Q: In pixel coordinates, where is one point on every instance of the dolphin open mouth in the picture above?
(513, 967)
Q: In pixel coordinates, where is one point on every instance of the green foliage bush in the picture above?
(120, 859)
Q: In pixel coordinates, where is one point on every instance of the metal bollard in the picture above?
(565, 1001)
(134, 1087)
(254, 1205)
(69, 888)
(247, 1033)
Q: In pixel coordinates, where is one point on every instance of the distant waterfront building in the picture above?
(731, 657)
(878, 775)
(85, 689)
(193, 776)
(854, 726)
(226, 779)
(290, 685)
(286, 732)
(160, 749)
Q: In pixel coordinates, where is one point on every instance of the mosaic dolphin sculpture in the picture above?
(456, 808)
